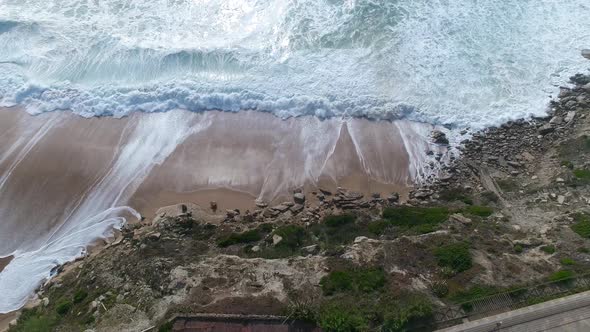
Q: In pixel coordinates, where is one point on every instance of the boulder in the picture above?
(393, 198)
(296, 208)
(586, 53)
(439, 137)
(460, 218)
(546, 129)
(299, 198)
(570, 115)
(276, 239)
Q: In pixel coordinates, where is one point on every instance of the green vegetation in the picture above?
(455, 256)
(567, 261)
(253, 235)
(337, 230)
(293, 238)
(354, 280)
(419, 219)
(378, 227)
(518, 248)
(583, 250)
(63, 307)
(31, 320)
(561, 275)
(582, 174)
(413, 309)
(474, 293)
(339, 318)
(80, 296)
(166, 327)
(548, 249)
(480, 211)
(582, 225)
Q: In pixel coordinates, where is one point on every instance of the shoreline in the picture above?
(512, 152)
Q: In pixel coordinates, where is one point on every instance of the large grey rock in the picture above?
(546, 129)
(439, 137)
(586, 53)
(299, 198)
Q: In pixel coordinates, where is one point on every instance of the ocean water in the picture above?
(453, 62)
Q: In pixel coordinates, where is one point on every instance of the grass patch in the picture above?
(378, 227)
(480, 211)
(419, 219)
(63, 307)
(455, 256)
(340, 318)
(548, 249)
(582, 225)
(355, 280)
(474, 293)
(80, 296)
(337, 230)
(31, 320)
(582, 174)
(562, 275)
(293, 238)
(567, 261)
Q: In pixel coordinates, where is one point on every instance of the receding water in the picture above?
(462, 62)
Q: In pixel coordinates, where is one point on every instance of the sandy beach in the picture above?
(66, 179)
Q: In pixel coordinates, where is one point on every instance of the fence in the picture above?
(510, 300)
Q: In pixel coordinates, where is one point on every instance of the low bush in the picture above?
(80, 296)
(582, 225)
(31, 320)
(548, 249)
(237, 238)
(518, 248)
(412, 216)
(378, 227)
(567, 261)
(337, 230)
(480, 211)
(410, 310)
(562, 275)
(354, 280)
(455, 256)
(582, 174)
(63, 307)
(339, 318)
(474, 293)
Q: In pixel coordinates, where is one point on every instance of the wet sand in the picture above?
(58, 170)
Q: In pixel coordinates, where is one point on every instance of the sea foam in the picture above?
(462, 63)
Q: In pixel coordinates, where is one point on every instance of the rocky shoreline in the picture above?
(512, 210)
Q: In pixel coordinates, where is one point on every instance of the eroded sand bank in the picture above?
(58, 170)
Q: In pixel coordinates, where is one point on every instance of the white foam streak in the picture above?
(149, 143)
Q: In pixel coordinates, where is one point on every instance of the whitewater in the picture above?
(453, 63)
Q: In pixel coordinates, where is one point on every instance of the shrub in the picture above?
(166, 327)
(489, 196)
(480, 211)
(31, 320)
(561, 275)
(337, 230)
(236, 238)
(518, 248)
(455, 256)
(377, 227)
(336, 318)
(63, 307)
(440, 288)
(582, 174)
(80, 296)
(548, 249)
(356, 280)
(339, 220)
(567, 261)
(582, 225)
(412, 216)
(583, 250)
(293, 236)
(474, 293)
(411, 309)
